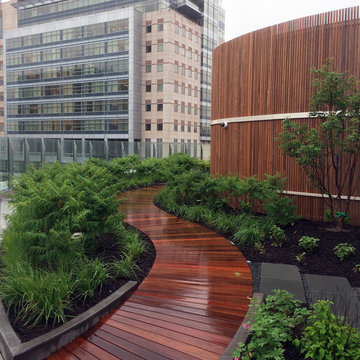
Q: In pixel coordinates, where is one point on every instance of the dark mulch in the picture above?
(107, 253)
(322, 260)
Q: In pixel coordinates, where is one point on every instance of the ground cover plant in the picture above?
(66, 246)
(283, 328)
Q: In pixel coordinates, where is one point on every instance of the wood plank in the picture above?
(179, 311)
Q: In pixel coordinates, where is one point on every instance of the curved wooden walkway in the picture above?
(190, 305)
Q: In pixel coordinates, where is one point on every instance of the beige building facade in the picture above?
(171, 78)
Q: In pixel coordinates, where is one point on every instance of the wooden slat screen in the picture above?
(268, 72)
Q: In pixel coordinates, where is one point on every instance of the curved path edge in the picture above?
(190, 305)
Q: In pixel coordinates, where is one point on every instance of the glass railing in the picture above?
(17, 153)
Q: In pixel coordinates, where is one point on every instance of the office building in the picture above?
(113, 69)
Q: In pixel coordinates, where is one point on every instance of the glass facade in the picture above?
(80, 85)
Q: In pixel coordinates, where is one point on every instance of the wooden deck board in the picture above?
(189, 306)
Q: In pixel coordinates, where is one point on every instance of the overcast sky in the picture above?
(243, 16)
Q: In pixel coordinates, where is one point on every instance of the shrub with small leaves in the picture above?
(327, 337)
(249, 236)
(344, 250)
(277, 236)
(308, 242)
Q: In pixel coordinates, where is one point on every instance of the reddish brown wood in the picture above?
(267, 72)
(189, 306)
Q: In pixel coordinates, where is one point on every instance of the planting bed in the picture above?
(321, 260)
(26, 333)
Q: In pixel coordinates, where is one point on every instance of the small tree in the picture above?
(329, 154)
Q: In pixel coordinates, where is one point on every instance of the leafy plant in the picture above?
(308, 242)
(325, 337)
(277, 235)
(300, 257)
(249, 236)
(330, 153)
(271, 327)
(344, 250)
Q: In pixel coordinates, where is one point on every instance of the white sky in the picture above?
(243, 16)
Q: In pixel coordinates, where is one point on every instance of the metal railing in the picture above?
(17, 153)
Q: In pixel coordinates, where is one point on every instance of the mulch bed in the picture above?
(321, 260)
(111, 285)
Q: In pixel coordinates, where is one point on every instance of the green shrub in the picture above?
(326, 337)
(281, 210)
(89, 277)
(308, 242)
(249, 236)
(125, 268)
(271, 327)
(344, 250)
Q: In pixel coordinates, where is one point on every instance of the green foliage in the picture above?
(329, 154)
(300, 257)
(125, 268)
(271, 327)
(308, 242)
(326, 337)
(281, 211)
(344, 250)
(277, 235)
(90, 276)
(249, 236)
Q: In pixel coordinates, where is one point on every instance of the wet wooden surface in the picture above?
(190, 305)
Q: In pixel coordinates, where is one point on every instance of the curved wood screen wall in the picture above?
(262, 77)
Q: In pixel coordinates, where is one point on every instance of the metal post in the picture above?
(74, 151)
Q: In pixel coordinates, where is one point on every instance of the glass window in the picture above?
(14, 59)
(160, 46)
(118, 125)
(119, 45)
(176, 49)
(51, 37)
(175, 127)
(159, 127)
(72, 52)
(94, 30)
(120, 66)
(148, 68)
(176, 29)
(31, 40)
(160, 87)
(94, 106)
(147, 107)
(32, 57)
(160, 67)
(148, 88)
(148, 48)
(51, 55)
(118, 26)
(72, 34)
(94, 125)
(183, 89)
(51, 73)
(14, 43)
(117, 105)
(96, 87)
(52, 90)
(176, 88)
(94, 68)
(176, 107)
(160, 107)
(148, 28)
(160, 27)
(51, 108)
(71, 71)
(14, 76)
(51, 126)
(121, 85)
(147, 127)
(32, 74)
(94, 49)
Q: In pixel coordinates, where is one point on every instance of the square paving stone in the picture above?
(280, 271)
(321, 284)
(294, 287)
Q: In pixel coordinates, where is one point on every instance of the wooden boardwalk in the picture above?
(190, 305)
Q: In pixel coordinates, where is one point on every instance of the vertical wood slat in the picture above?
(268, 72)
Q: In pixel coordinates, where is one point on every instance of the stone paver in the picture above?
(337, 290)
(284, 277)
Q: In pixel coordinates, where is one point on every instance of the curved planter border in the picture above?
(13, 349)
(243, 331)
